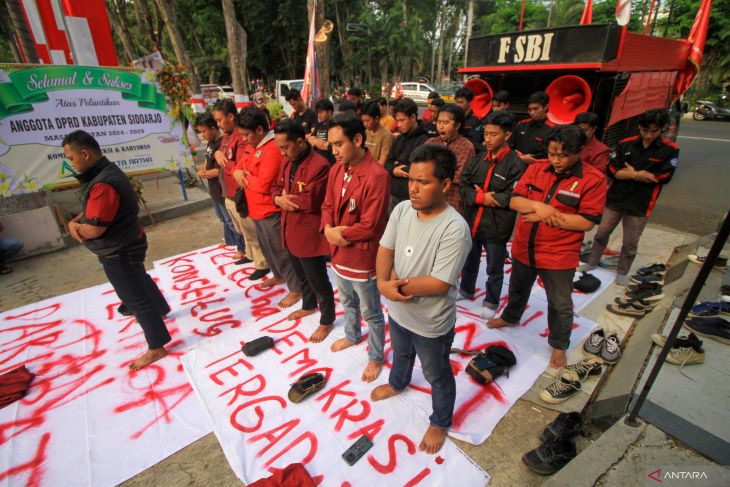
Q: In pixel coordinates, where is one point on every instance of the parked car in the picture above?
(282, 88)
(418, 92)
(225, 91)
(711, 110)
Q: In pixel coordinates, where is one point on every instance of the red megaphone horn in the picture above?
(482, 101)
(569, 96)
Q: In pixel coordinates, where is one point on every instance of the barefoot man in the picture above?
(256, 174)
(108, 226)
(558, 201)
(353, 220)
(419, 261)
(299, 192)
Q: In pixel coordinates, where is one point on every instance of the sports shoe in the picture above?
(550, 457)
(715, 328)
(643, 285)
(652, 269)
(590, 367)
(645, 294)
(659, 339)
(633, 309)
(594, 343)
(710, 309)
(565, 426)
(720, 262)
(563, 389)
(611, 351)
(487, 313)
(648, 278)
(685, 356)
(622, 279)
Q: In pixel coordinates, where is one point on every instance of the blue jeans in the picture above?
(8, 248)
(138, 292)
(230, 235)
(434, 356)
(496, 253)
(363, 297)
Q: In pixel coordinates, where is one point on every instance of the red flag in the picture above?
(311, 91)
(587, 13)
(623, 12)
(697, 37)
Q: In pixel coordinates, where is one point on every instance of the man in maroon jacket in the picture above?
(299, 191)
(353, 220)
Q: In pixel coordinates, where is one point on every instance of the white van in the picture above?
(418, 92)
(282, 88)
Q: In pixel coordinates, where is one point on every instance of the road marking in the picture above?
(702, 138)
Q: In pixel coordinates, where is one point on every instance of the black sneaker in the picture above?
(710, 309)
(642, 286)
(645, 294)
(719, 264)
(715, 328)
(563, 389)
(565, 426)
(648, 278)
(245, 260)
(258, 274)
(550, 457)
(652, 269)
(681, 341)
(594, 343)
(634, 309)
(611, 351)
(590, 367)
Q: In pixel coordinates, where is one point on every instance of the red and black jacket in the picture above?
(633, 197)
(500, 175)
(529, 137)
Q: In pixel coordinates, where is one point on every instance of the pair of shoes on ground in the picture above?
(649, 274)
(606, 347)
(715, 328)
(558, 446)
(719, 264)
(637, 300)
(571, 380)
(710, 309)
(686, 350)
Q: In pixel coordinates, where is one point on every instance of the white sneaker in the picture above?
(488, 313)
(586, 268)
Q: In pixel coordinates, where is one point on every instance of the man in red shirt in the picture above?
(594, 152)
(353, 220)
(558, 200)
(256, 175)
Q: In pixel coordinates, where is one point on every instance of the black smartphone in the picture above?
(357, 450)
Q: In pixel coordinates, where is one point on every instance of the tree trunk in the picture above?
(237, 40)
(440, 62)
(167, 11)
(17, 18)
(469, 23)
(322, 48)
(158, 25)
(120, 27)
(346, 76)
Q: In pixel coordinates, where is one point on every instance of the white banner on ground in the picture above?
(88, 420)
(214, 297)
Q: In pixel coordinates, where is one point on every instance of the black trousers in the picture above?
(138, 291)
(316, 286)
(558, 287)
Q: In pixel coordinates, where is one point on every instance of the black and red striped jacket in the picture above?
(633, 197)
(499, 174)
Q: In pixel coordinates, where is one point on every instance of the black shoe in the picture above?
(550, 457)
(565, 426)
(648, 278)
(645, 294)
(715, 328)
(635, 309)
(652, 269)
(124, 311)
(590, 367)
(245, 260)
(258, 274)
(642, 285)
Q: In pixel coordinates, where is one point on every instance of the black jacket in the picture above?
(529, 137)
(491, 225)
(125, 229)
(400, 153)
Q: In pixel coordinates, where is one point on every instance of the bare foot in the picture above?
(289, 299)
(372, 371)
(152, 355)
(300, 313)
(433, 440)
(383, 392)
(498, 322)
(320, 333)
(558, 360)
(341, 344)
(271, 282)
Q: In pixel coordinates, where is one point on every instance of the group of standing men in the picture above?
(402, 216)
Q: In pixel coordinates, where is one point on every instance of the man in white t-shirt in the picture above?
(419, 260)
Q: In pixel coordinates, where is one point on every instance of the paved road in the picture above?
(699, 195)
